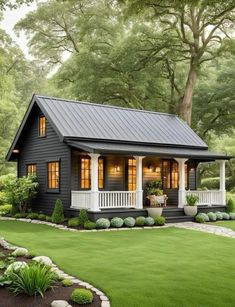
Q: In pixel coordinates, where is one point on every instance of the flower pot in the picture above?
(190, 210)
(154, 211)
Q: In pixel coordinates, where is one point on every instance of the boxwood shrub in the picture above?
(102, 223)
(159, 220)
(212, 216)
(140, 221)
(74, 222)
(32, 216)
(129, 222)
(117, 222)
(225, 216)
(20, 215)
(149, 221)
(81, 296)
(42, 217)
(219, 215)
(67, 283)
(89, 225)
(232, 215)
(206, 217)
(200, 218)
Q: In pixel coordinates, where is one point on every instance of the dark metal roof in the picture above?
(127, 149)
(96, 121)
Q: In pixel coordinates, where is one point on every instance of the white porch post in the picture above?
(181, 195)
(222, 182)
(139, 187)
(94, 182)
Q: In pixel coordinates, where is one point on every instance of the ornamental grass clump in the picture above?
(58, 213)
(159, 220)
(31, 280)
(102, 223)
(149, 221)
(200, 218)
(212, 216)
(191, 199)
(117, 222)
(129, 222)
(81, 296)
(140, 221)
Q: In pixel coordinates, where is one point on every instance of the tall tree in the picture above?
(203, 28)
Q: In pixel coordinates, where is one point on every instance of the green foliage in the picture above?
(212, 216)
(74, 222)
(20, 215)
(159, 220)
(32, 280)
(226, 216)
(20, 191)
(31, 255)
(89, 225)
(149, 221)
(33, 216)
(67, 283)
(153, 187)
(219, 216)
(83, 216)
(129, 222)
(230, 206)
(42, 217)
(5, 209)
(140, 221)
(58, 213)
(4, 281)
(205, 216)
(191, 199)
(200, 218)
(117, 222)
(48, 218)
(102, 223)
(232, 215)
(81, 296)
(2, 198)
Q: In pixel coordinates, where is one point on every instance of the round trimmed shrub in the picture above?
(212, 216)
(74, 222)
(232, 215)
(205, 216)
(159, 220)
(200, 218)
(89, 225)
(42, 217)
(102, 223)
(140, 221)
(219, 215)
(129, 222)
(32, 216)
(67, 283)
(48, 218)
(149, 221)
(81, 296)
(20, 215)
(117, 222)
(225, 216)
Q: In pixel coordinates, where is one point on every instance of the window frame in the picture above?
(89, 174)
(53, 190)
(132, 175)
(103, 173)
(39, 126)
(32, 165)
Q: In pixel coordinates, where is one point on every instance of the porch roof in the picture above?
(145, 150)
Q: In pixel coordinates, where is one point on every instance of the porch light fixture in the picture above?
(150, 168)
(16, 150)
(116, 168)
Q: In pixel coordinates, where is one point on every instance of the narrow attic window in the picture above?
(42, 126)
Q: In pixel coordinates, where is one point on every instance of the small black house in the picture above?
(100, 157)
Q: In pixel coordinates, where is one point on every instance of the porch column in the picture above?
(222, 181)
(139, 187)
(181, 195)
(94, 182)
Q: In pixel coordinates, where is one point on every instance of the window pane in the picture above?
(42, 126)
(174, 175)
(101, 173)
(85, 173)
(31, 169)
(167, 174)
(53, 175)
(131, 174)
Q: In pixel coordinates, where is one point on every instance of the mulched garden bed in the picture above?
(7, 299)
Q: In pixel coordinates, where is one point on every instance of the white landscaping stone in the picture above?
(104, 298)
(105, 304)
(20, 251)
(60, 303)
(15, 266)
(43, 259)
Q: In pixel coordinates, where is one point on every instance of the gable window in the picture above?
(101, 173)
(53, 176)
(42, 126)
(131, 174)
(31, 169)
(85, 173)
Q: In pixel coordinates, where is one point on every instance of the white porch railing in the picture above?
(214, 197)
(107, 199)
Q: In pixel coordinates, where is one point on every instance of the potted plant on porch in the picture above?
(156, 198)
(191, 208)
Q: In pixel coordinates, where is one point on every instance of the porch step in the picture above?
(179, 219)
(167, 212)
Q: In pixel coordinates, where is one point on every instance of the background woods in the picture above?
(170, 56)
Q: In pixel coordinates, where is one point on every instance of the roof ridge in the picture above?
(105, 105)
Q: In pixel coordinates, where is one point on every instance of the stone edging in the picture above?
(61, 274)
(62, 227)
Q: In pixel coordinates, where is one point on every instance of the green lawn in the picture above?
(228, 224)
(163, 267)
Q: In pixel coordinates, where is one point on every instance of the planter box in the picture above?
(190, 210)
(153, 212)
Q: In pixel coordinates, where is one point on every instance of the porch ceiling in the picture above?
(145, 150)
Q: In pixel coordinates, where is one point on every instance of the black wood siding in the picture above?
(40, 150)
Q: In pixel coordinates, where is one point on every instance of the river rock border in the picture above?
(61, 274)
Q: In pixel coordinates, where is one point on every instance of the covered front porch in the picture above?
(106, 181)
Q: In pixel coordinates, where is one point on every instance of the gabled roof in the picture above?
(75, 120)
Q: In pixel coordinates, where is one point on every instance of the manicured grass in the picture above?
(138, 268)
(229, 224)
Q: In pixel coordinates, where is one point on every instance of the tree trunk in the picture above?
(185, 107)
